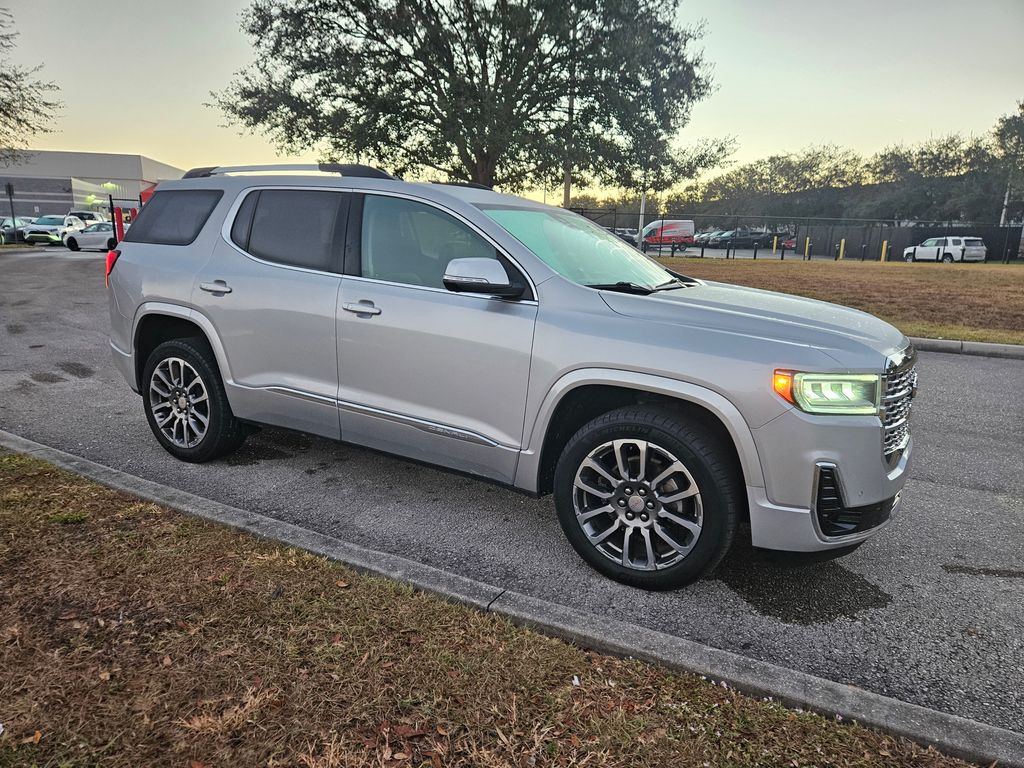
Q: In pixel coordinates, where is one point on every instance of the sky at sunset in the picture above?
(788, 73)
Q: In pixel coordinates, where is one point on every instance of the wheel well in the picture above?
(590, 401)
(154, 330)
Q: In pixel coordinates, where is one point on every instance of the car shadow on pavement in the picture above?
(796, 588)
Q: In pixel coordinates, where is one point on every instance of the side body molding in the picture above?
(528, 469)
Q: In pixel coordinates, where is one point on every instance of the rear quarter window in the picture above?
(174, 217)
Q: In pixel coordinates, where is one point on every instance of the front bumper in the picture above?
(827, 484)
(49, 239)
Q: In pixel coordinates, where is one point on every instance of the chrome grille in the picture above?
(900, 383)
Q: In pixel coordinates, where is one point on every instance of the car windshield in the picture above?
(50, 220)
(576, 248)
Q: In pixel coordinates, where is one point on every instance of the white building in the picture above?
(54, 182)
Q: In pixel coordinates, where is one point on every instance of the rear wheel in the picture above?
(111, 244)
(185, 402)
(947, 258)
(648, 497)
(72, 244)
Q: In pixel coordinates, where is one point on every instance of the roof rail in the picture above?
(470, 184)
(345, 169)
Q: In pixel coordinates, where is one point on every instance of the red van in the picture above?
(677, 232)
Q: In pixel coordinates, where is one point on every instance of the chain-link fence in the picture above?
(738, 236)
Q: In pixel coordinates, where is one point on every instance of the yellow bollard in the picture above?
(885, 248)
(807, 247)
(842, 248)
(775, 244)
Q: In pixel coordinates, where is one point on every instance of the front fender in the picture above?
(528, 468)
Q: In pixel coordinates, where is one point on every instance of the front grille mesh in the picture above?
(899, 392)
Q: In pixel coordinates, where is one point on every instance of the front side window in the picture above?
(930, 242)
(297, 227)
(576, 248)
(173, 217)
(408, 242)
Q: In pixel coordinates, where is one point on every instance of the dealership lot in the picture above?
(930, 611)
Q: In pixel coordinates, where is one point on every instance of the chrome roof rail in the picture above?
(345, 169)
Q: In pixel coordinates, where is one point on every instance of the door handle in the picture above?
(217, 286)
(362, 308)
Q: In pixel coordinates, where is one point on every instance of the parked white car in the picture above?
(947, 250)
(50, 230)
(99, 236)
(89, 217)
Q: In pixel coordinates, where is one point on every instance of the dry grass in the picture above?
(976, 302)
(131, 635)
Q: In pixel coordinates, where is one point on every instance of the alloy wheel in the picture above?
(179, 402)
(637, 504)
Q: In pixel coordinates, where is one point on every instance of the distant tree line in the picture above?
(951, 178)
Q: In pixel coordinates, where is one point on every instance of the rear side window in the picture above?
(298, 228)
(173, 217)
(974, 242)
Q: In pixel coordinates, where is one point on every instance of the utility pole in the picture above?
(567, 177)
(9, 188)
(643, 209)
(1006, 201)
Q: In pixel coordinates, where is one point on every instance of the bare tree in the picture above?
(27, 104)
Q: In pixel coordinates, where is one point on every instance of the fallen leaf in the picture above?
(33, 739)
(196, 764)
(575, 741)
(104, 675)
(341, 584)
(167, 661)
(400, 756)
(441, 731)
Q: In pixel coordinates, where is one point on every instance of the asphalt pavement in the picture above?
(930, 611)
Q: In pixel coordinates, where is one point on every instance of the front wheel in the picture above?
(648, 497)
(909, 258)
(72, 244)
(186, 405)
(947, 258)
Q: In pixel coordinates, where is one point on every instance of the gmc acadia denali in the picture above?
(516, 342)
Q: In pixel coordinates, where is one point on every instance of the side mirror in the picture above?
(477, 275)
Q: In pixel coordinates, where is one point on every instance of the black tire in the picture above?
(72, 244)
(947, 258)
(909, 258)
(224, 432)
(709, 462)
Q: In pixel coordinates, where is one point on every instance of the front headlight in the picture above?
(831, 393)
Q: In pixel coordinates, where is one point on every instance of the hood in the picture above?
(851, 337)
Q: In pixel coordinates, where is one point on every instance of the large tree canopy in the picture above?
(26, 103)
(478, 90)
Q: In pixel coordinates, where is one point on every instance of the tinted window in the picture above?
(173, 217)
(974, 243)
(954, 241)
(408, 242)
(294, 227)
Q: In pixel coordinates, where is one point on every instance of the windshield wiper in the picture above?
(622, 287)
(675, 282)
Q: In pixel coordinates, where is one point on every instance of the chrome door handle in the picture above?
(361, 309)
(217, 286)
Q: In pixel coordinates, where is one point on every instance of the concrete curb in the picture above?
(953, 735)
(981, 348)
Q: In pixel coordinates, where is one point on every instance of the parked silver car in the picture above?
(517, 342)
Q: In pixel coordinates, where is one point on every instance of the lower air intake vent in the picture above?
(834, 519)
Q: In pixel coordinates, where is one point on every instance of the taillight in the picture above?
(111, 260)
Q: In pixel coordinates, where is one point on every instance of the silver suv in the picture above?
(517, 342)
